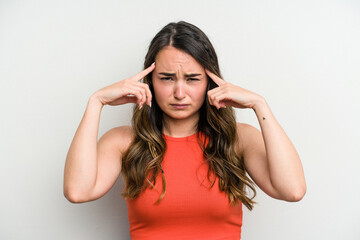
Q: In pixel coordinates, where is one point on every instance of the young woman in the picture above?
(184, 160)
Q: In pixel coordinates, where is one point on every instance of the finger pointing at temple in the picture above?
(143, 73)
(215, 78)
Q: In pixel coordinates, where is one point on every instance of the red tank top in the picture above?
(190, 209)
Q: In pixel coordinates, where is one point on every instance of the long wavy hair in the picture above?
(142, 161)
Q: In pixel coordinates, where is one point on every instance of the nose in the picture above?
(179, 92)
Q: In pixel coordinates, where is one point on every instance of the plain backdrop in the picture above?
(303, 57)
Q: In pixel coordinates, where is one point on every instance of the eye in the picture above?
(193, 79)
(166, 78)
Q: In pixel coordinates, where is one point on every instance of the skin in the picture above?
(92, 167)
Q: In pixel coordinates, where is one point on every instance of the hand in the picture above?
(227, 94)
(129, 90)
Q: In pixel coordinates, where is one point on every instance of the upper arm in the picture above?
(110, 148)
(254, 153)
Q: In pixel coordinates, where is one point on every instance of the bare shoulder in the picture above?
(245, 129)
(118, 137)
(247, 135)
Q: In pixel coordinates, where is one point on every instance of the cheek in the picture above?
(200, 94)
(161, 92)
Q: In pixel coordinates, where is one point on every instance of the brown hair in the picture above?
(146, 153)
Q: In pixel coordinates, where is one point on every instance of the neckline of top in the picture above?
(180, 139)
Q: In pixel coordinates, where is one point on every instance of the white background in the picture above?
(303, 57)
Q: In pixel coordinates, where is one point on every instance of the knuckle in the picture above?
(146, 86)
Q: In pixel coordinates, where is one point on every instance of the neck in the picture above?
(180, 127)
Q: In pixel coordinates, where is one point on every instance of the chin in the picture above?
(180, 115)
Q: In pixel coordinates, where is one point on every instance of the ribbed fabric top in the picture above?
(190, 209)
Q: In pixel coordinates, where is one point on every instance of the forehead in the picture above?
(172, 59)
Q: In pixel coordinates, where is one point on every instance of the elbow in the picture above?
(70, 197)
(73, 197)
(297, 194)
(297, 197)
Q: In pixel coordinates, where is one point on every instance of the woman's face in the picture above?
(179, 83)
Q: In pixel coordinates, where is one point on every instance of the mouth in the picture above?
(179, 106)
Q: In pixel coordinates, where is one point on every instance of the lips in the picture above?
(179, 106)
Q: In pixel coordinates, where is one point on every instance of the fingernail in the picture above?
(140, 106)
(153, 63)
(150, 104)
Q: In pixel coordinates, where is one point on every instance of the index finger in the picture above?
(143, 73)
(215, 78)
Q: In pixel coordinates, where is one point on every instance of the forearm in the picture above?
(81, 161)
(285, 168)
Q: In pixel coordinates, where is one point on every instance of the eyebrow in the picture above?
(186, 75)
